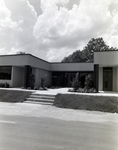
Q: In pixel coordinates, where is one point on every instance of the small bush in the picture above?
(77, 87)
(4, 85)
(88, 82)
(85, 90)
(75, 83)
(35, 88)
(31, 81)
(42, 82)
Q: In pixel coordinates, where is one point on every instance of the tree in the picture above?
(77, 56)
(93, 45)
(87, 54)
(21, 52)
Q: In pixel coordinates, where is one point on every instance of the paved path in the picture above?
(37, 127)
(65, 91)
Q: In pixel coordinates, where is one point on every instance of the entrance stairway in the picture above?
(44, 99)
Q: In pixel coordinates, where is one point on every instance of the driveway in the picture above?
(39, 127)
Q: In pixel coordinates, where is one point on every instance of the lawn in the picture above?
(87, 102)
(13, 95)
(72, 101)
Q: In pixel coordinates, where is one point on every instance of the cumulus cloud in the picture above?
(16, 27)
(61, 27)
(62, 30)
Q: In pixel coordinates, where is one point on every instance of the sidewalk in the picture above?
(64, 91)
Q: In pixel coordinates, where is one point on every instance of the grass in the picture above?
(13, 95)
(87, 102)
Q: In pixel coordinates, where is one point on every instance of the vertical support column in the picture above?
(26, 75)
(12, 76)
(96, 77)
(100, 78)
(117, 79)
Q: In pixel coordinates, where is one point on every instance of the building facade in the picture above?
(15, 70)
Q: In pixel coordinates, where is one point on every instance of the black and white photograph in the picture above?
(58, 75)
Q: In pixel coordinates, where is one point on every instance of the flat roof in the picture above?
(107, 51)
(24, 54)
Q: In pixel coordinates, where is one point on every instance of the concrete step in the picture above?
(40, 100)
(34, 102)
(42, 96)
(44, 99)
(50, 95)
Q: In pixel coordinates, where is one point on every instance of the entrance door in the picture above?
(107, 78)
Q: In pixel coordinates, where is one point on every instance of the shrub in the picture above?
(6, 85)
(1, 84)
(88, 81)
(88, 85)
(31, 81)
(35, 88)
(85, 90)
(75, 83)
(42, 82)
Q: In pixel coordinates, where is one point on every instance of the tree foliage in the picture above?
(75, 82)
(86, 55)
(88, 81)
(21, 52)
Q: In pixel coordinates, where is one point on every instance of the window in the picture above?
(5, 72)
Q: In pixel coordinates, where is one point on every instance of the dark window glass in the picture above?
(5, 73)
(64, 79)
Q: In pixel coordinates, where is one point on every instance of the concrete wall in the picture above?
(14, 60)
(17, 76)
(22, 60)
(38, 63)
(27, 59)
(72, 67)
(117, 78)
(42, 73)
(106, 58)
(100, 78)
(42, 68)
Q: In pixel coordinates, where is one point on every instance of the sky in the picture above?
(54, 29)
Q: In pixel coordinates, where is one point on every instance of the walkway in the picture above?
(65, 91)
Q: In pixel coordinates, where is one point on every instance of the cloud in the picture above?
(61, 27)
(16, 27)
(56, 54)
(68, 30)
